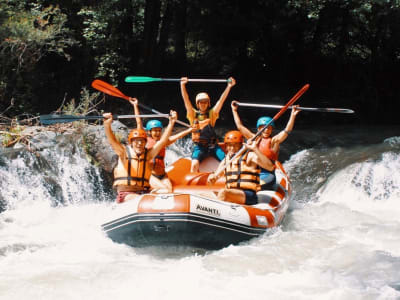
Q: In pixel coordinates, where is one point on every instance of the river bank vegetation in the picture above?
(51, 51)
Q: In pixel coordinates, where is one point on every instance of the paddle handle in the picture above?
(55, 119)
(157, 115)
(118, 117)
(315, 109)
(145, 79)
(194, 80)
(208, 80)
(285, 107)
(157, 112)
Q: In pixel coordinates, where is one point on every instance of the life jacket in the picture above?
(135, 172)
(205, 134)
(158, 161)
(239, 175)
(265, 147)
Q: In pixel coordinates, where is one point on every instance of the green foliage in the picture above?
(12, 135)
(33, 34)
(349, 30)
(88, 142)
(29, 33)
(103, 29)
(47, 51)
(88, 103)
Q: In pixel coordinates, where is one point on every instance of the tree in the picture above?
(28, 34)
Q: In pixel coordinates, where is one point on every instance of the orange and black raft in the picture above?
(192, 216)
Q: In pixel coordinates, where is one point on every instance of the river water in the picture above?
(340, 238)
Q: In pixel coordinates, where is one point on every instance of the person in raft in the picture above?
(204, 118)
(161, 182)
(267, 144)
(242, 173)
(134, 178)
(155, 184)
(154, 129)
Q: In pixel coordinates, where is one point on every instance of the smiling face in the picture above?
(138, 145)
(267, 132)
(232, 148)
(203, 105)
(155, 133)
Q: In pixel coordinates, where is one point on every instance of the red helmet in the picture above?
(233, 136)
(137, 134)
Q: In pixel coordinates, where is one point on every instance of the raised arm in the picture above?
(115, 144)
(185, 96)
(164, 138)
(281, 136)
(224, 95)
(246, 133)
(135, 104)
(258, 157)
(174, 138)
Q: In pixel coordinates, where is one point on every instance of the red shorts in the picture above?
(121, 195)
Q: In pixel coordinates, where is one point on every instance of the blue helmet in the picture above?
(153, 124)
(264, 121)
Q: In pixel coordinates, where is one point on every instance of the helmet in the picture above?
(137, 134)
(153, 124)
(233, 136)
(264, 121)
(202, 96)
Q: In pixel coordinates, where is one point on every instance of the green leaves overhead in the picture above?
(50, 50)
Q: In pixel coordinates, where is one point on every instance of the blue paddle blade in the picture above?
(55, 119)
(141, 79)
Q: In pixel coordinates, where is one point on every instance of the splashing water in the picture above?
(339, 239)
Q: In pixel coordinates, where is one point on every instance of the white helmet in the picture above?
(201, 97)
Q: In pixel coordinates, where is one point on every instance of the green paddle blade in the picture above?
(141, 79)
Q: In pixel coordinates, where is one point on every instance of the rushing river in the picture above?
(340, 238)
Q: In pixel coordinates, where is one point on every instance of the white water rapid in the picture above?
(339, 240)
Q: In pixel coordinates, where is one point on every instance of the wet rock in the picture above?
(3, 204)
(98, 147)
(43, 140)
(54, 189)
(70, 139)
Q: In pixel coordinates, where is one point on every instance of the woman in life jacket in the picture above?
(154, 130)
(134, 176)
(119, 169)
(268, 145)
(203, 119)
(242, 173)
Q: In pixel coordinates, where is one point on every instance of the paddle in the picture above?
(283, 109)
(113, 91)
(54, 119)
(109, 89)
(145, 79)
(335, 110)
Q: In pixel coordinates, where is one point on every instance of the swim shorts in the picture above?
(267, 179)
(251, 197)
(201, 152)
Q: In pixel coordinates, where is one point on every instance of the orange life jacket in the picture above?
(136, 172)
(265, 147)
(240, 175)
(158, 161)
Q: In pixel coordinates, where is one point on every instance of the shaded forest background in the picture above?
(348, 51)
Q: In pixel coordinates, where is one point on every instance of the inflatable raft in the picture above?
(192, 216)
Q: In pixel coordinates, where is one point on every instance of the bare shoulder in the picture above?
(252, 157)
